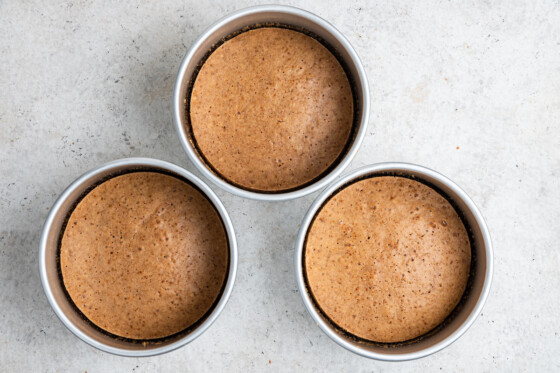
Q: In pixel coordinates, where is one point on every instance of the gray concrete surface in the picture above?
(471, 89)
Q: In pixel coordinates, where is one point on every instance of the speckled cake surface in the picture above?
(387, 259)
(144, 255)
(271, 109)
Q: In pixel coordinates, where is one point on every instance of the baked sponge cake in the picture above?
(144, 255)
(271, 109)
(387, 259)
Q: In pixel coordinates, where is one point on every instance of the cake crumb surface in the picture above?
(271, 109)
(144, 255)
(387, 259)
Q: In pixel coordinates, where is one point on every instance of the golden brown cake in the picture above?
(271, 109)
(387, 259)
(144, 255)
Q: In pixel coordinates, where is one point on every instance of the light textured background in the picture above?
(471, 89)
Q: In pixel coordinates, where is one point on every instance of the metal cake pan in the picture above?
(479, 282)
(54, 288)
(280, 15)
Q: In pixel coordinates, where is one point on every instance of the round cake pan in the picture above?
(473, 299)
(271, 15)
(52, 282)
